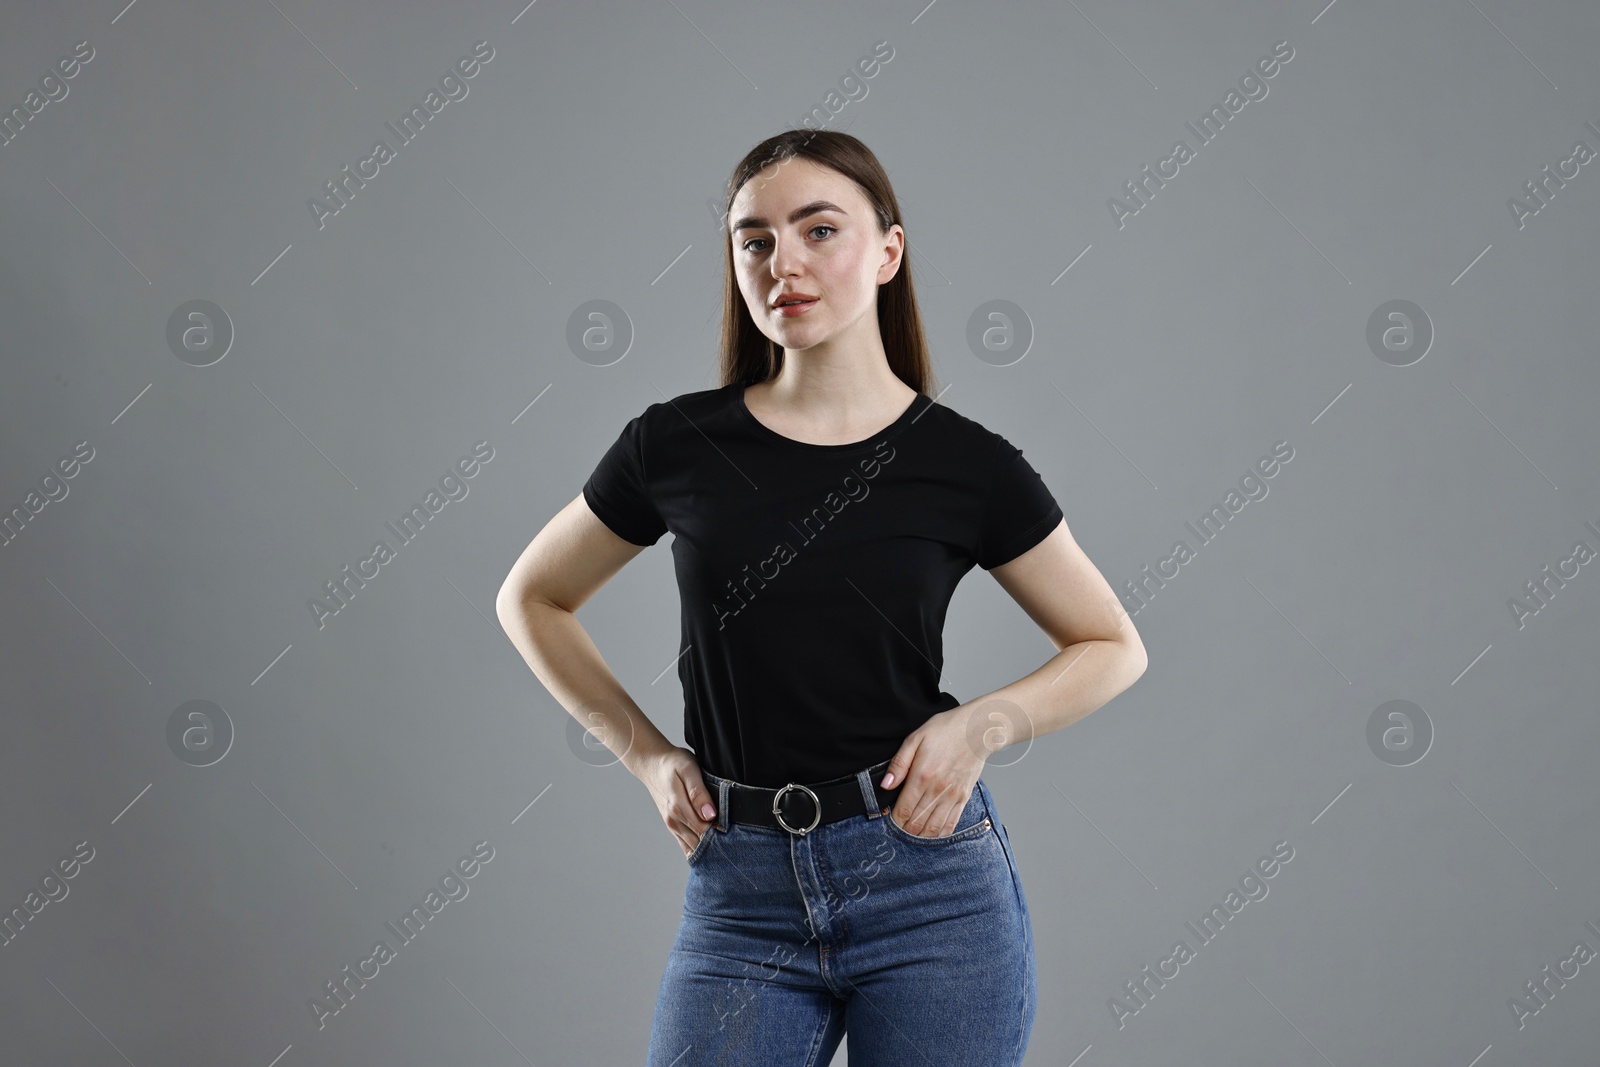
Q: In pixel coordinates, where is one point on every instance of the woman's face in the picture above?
(801, 227)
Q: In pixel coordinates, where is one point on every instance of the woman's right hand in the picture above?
(674, 781)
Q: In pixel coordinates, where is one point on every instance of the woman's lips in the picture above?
(790, 310)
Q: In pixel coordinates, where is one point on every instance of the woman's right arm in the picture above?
(562, 567)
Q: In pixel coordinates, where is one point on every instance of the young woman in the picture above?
(847, 866)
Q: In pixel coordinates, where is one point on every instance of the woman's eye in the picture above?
(763, 240)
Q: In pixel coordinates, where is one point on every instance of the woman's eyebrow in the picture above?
(751, 222)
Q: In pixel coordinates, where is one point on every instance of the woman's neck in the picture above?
(820, 404)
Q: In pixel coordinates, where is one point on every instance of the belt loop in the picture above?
(722, 805)
(869, 792)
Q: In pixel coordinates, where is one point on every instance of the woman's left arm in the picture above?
(1099, 655)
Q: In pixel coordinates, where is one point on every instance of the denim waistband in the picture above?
(831, 799)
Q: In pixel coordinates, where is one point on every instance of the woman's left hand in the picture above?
(939, 766)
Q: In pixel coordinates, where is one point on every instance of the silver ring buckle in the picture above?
(777, 802)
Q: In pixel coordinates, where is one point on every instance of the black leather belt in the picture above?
(800, 809)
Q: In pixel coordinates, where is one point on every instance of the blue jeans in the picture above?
(919, 947)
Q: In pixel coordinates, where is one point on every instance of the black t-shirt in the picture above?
(814, 579)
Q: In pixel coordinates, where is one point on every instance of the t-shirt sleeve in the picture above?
(1019, 510)
(618, 493)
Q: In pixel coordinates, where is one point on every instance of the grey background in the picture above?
(1229, 314)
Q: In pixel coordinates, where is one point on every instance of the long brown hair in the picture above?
(748, 355)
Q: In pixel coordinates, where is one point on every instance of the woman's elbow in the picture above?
(516, 603)
(511, 604)
(1138, 658)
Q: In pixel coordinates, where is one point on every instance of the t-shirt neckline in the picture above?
(912, 410)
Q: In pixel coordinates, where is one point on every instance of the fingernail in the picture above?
(888, 780)
(707, 811)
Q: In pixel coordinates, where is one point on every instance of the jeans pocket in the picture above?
(701, 846)
(974, 823)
